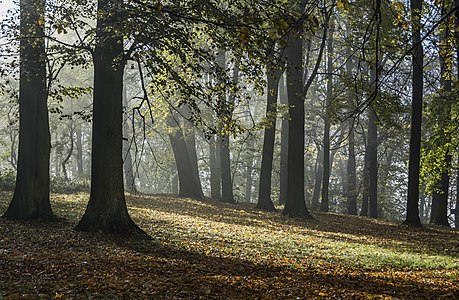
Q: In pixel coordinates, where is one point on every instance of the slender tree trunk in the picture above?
(70, 152)
(456, 212)
(249, 172)
(440, 198)
(412, 206)
(372, 163)
(107, 211)
(79, 150)
(128, 165)
(264, 193)
(319, 170)
(31, 193)
(365, 185)
(225, 156)
(215, 170)
(324, 205)
(284, 144)
(295, 205)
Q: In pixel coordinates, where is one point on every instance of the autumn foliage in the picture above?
(209, 250)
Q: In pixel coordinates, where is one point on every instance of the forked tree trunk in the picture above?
(31, 193)
(107, 211)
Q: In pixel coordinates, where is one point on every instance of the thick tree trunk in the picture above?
(188, 186)
(295, 205)
(31, 193)
(264, 192)
(284, 144)
(107, 211)
(412, 206)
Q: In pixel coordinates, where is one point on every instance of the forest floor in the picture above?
(208, 250)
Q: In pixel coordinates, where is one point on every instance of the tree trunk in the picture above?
(31, 193)
(188, 186)
(264, 194)
(351, 167)
(365, 184)
(225, 158)
(249, 172)
(440, 198)
(70, 152)
(372, 163)
(284, 144)
(295, 205)
(324, 205)
(107, 211)
(319, 170)
(190, 140)
(79, 151)
(412, 206)
(215, 170)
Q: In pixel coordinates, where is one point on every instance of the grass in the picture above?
(209, 250)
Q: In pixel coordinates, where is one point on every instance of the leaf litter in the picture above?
(203, 249)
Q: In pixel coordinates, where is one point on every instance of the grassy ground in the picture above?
(208, 250)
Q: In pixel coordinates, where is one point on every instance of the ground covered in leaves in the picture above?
(209, 250)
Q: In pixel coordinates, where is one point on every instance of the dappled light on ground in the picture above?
(208, 250)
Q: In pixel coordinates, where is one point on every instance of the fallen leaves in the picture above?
(208, 250)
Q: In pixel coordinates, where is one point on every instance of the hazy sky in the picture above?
(5, 5)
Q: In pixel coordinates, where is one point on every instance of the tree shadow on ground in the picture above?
(39, 260)
(430, 240)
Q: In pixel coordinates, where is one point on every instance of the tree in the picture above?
(439, 210)
(107, 211)
(324, 205)
(188, 185)
(412, 206)
(295, 205)
(31, 193)
(264, 194)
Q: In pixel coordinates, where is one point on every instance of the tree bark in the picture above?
(295, 205)
(215, 169)
(412, 206)
(372, 163)
(284, 144)
(188, 186)
(319, 170)
(324, 204)
(365, 185)
(31, 193)
(440, 198)
(107, 211)
(264, 192)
